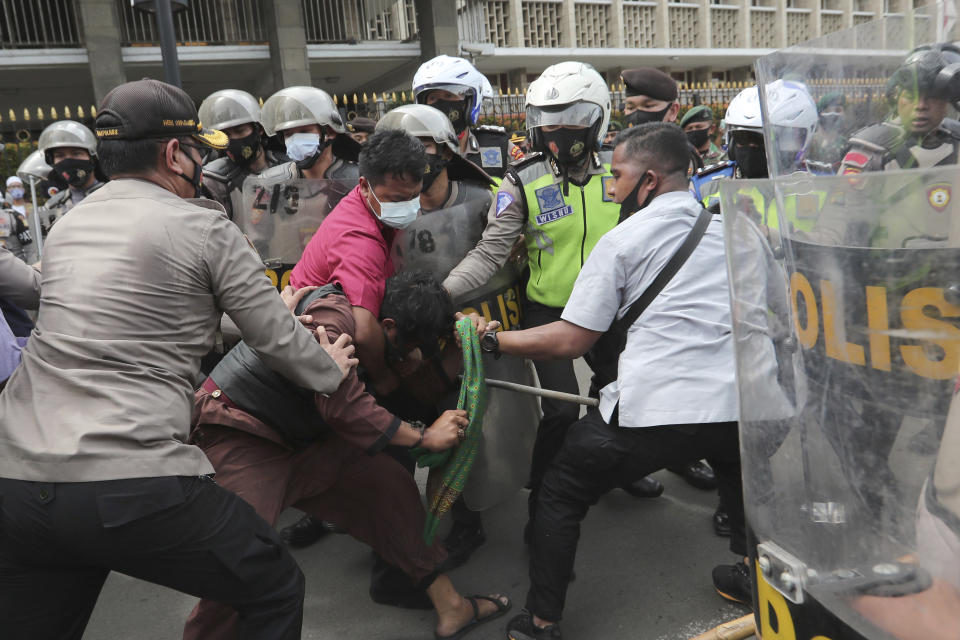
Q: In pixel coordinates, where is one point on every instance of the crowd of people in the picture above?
(193, 403)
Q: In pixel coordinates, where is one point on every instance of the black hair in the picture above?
(664, 143)
(421, 308)
(392, 152)
(128, 156)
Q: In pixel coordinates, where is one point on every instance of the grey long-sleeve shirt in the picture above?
(134, 282)
(19, 282)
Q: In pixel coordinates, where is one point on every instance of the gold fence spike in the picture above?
(393, 97)
(66, 112)
(261, 101)
(364, 97)
(345, 101)
(53, 113)
(79, 111)
(26, 114)
(403, 96)
(13, 116)
(39, 113)
(93, 111)
(336, 100)
(355, 100)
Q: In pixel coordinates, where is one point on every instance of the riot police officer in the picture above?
(314, 135)
(919, 92)
(71, 149)
(450, 179)
(237, 114)
(455, 87)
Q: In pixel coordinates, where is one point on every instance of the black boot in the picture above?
(645, 487)
(697, 474)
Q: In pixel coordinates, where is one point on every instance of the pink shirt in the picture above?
(351, 247)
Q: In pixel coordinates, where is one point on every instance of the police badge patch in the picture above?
(491, 157)
(938, 195)
(552, 205)
(604, 186)
(503, 201)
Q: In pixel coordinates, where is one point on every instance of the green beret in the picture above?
(699, 113)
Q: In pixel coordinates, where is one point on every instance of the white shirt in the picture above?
(678, 364)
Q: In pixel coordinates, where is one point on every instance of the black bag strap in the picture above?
(666, 274)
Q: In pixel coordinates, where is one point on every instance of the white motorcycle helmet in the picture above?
(298, 106)
(66, 133)
(571, 94)
(421, 121)
(229, 108)
(743, 113)
(455, 75)
(792, 114)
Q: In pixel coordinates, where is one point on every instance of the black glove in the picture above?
(23, 232)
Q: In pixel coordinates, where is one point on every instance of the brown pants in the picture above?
(372, 497)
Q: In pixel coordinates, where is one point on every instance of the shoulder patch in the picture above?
(491, 157)
(504, 200)
(551, 203)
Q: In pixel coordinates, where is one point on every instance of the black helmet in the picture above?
(931, 70)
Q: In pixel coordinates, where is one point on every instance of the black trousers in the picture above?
(597, 457)
(58, 542)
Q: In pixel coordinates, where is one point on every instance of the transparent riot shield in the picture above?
(866, 65)
(437, 242)
(847, 337)
(280, 217)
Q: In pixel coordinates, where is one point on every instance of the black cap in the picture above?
(647, 81)
(363, 124)
(152, 109)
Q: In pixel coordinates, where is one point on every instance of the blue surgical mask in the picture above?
(398, 215)
(301, 146)
(16, 192)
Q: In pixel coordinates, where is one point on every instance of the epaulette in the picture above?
(222, 170)
(518, 165)
(490, 128)
(879, 138)
(725, 167)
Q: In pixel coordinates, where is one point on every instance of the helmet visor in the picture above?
(579, 114)
(462, 91)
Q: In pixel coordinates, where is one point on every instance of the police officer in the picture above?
(237, 114)
(455, 87)
(314, 136)
(71, 149)
(450, 179)
(14, 228)
(556, 197)
(920, 92)
(699, 126)
(361, 128)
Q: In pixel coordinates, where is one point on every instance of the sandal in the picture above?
(477, 620)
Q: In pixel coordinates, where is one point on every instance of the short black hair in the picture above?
(421, 308)
(128, 156)
(392, 152)
(664, 143)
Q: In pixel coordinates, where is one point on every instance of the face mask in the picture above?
(243, 151)
(456, 111)
(74, 171)
(16, 192)
(641, 117)
(629, 206)
(304, 148)
(196, 180)
(751, 160)
(699, 137)
(436, 163)
(398, 215)
(568, 146)
(831, 121)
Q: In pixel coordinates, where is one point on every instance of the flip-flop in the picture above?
(476, 621)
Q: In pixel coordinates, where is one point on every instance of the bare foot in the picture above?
(456, 618)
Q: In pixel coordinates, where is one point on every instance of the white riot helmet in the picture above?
(33, 167)
(458, 76)
(421, 121)
(66, 133)
(571, 94)
(743, 112)
(792, 114)
(298, 106)
(229, 108)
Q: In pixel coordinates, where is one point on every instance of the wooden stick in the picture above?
(543, 393)
(734, 630)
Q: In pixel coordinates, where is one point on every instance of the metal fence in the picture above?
(351, 21)
(39, 24)
(204, 22)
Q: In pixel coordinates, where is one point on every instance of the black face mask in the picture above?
(642, 117)
(436, 163)
(630, 206)
(699, 137)
(752, 161)
(74, 171)
(456, 111)
(243, 151)
(568, 146)
(196, 180)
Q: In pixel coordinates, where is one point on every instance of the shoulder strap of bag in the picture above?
(669, 270)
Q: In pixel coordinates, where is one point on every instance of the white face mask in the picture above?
(301, 146)
(398, 215)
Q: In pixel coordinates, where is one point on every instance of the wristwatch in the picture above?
(490, 343)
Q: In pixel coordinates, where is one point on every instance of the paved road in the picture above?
(643, 573)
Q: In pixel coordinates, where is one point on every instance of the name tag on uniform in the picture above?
(491, 157)
(552, 205)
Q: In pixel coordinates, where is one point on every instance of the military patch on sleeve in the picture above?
(854, 162)
(491, 157)
(516, 152)
(504, 199)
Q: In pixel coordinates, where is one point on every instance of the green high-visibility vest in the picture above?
(802, 210)
(561, 231)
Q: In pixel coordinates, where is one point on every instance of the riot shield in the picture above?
(437, 242)
(848, 346)
(280, 216)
